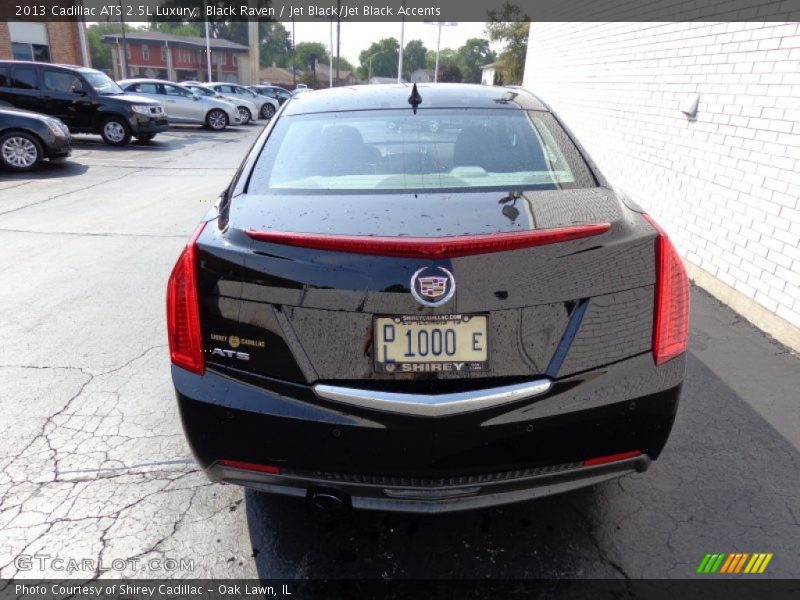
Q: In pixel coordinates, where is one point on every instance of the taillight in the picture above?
(183, 310)
(430, 247)
(671, 321)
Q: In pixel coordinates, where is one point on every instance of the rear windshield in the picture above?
(436, 149)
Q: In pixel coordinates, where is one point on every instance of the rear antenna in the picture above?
(414, 99)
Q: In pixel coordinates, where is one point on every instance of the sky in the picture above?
(357, 36)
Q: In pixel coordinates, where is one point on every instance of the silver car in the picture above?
(266, 106)
(248, 111)
(184, 106)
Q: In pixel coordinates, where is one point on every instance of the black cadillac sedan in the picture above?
(27, 138)
(427, 319)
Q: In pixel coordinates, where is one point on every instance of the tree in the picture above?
(413, 57)
(304, 51)
(511, 25)
(177, 28)
(344, 64)
(275, 44)
(449, 73)
(473, 55)
(310, 79)
(99, 52)
(384, 55)
(446, 55)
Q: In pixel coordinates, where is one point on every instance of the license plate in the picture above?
(425, 344)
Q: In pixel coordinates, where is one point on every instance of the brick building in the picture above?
(176, 58)
(723, 181)
(58, 42)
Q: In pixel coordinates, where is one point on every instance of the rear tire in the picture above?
(115, 131)
(267, 111)
(216, 119)
(20, 151)
(244, 115)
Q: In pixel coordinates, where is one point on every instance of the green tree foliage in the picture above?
(305, 50)
(510, 25)
(99, 52)
(473, 55)
(345, 64)
(178, 28)
(275, 44)
(446, 55)
(384, 55)
(449, 73)
(414, 57)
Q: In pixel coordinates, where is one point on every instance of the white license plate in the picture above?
(424, 344)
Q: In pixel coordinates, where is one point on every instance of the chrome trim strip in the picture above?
(433, 405)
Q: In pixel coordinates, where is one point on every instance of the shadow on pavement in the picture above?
(165, 141)
(49, 169)
(726, 482)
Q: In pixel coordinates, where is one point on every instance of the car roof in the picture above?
(395, 96)
(146, 79)
(78, 68)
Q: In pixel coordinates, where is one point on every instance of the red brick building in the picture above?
(176, 58)
(58, 42)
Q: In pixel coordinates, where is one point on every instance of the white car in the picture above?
(248, 111)
(184, 106)
(267, 107)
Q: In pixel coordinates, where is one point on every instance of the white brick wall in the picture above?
(726, 185)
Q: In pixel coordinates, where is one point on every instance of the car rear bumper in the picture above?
(314, 442)
(433, 495)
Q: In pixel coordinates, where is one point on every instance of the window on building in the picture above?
(128, 51)
(164, 53)
(29, 41)
(145, 52)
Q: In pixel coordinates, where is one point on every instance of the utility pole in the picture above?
(208, 45)
(400, 56)
(294, 73)
(123, 63)
(330, 69)
(252, 42)
(438, 43)
(338, 36)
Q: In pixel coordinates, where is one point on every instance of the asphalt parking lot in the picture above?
(93, 464)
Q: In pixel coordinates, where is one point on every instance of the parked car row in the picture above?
(41, 104)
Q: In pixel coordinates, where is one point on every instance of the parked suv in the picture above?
(86, 100)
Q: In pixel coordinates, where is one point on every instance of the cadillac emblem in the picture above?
(433, 287)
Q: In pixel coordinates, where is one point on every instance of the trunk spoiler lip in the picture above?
(430, 247)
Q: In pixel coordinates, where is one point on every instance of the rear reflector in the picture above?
(237, 464)
(671, 321)
(603, 460)
(183, 310)
(429, 247)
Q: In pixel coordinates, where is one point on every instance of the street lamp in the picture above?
(438, 43)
